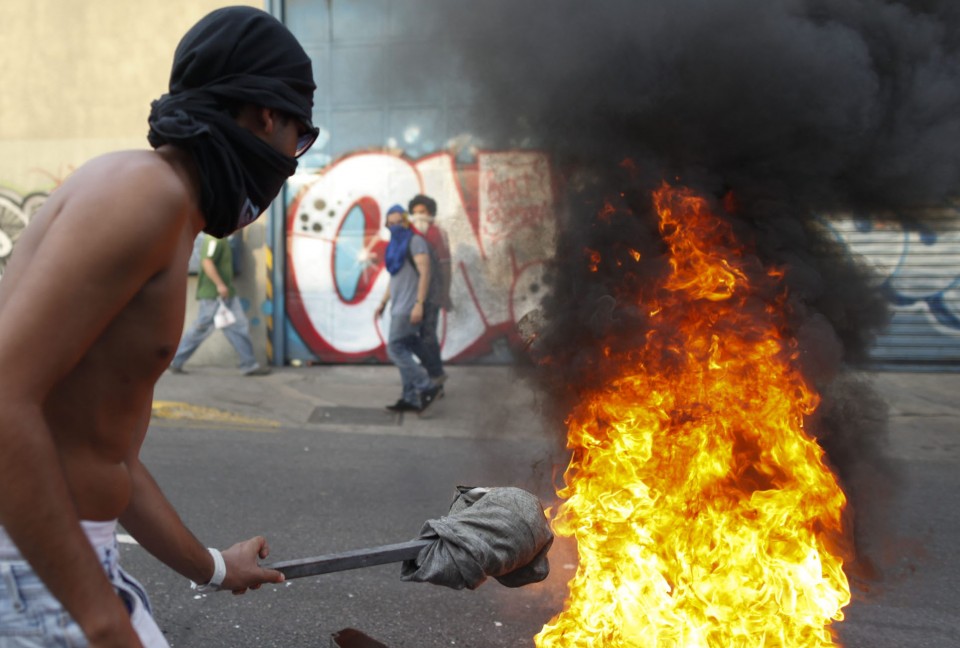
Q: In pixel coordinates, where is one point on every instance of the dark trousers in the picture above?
(429, 342)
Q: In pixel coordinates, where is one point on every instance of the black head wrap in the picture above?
(233, 56)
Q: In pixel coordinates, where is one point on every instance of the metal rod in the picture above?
(354, 559)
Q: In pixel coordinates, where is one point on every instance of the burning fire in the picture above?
(703, 511)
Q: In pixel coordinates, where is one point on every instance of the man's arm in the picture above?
(156, 525)
(383, 303)
(210, 252)
(210, 269)
(422, 262)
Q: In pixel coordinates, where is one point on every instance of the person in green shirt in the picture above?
(215, 283)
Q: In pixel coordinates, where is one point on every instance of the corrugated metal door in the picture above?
(918, 268)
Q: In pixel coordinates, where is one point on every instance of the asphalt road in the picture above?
(917, 604)
(313, 490)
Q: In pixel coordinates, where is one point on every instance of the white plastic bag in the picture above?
(224, 317)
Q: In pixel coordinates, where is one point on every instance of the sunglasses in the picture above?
(307, 133)
(306, 137)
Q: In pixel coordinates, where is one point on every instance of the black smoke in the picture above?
(832, 103)
(783, 111)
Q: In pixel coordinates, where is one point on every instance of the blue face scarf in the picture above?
(396, 254)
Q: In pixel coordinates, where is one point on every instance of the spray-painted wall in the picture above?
(497, 214)
(15, 214)
(918, 271)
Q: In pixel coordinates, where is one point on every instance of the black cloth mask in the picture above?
(233, 56)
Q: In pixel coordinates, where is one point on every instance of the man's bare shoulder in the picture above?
(130, 208)
(154, 182)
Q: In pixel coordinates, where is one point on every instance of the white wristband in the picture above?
(219, 573)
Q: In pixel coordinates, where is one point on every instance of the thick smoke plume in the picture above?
(783, 111)
(827, 104)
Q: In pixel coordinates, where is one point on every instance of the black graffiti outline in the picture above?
(16, 211)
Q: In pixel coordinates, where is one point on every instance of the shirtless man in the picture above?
(91, 310)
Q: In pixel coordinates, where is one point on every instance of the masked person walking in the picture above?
(423, 213)
(77, 400)
(407, 259)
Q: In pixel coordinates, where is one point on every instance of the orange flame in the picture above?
(703, 512)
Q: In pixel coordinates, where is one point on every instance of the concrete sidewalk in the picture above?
(480, 401)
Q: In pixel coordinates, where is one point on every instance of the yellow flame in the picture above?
(703, 512)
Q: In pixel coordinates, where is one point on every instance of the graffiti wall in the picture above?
(497, 213)
(15, 214)
(919, 272)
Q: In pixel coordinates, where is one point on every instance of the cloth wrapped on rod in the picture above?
(498, 532)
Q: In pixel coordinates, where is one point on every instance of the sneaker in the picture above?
(176, 370)
(439, 380)
(259, 371)
(403, 406)
(428, 396)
